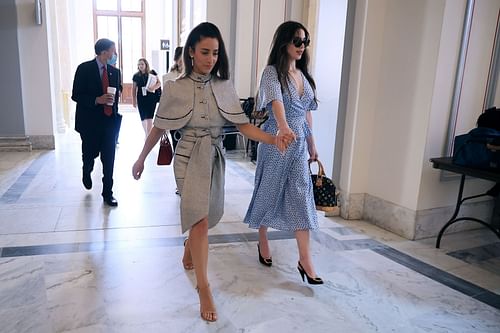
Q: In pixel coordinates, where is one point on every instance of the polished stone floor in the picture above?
(70, 264)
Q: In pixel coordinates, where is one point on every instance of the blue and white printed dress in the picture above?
(283, 196)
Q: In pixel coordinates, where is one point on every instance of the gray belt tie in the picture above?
(204, 174)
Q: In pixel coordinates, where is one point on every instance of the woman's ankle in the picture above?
(203, 286)
(308, 265)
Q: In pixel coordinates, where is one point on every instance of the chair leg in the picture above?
(244, 144)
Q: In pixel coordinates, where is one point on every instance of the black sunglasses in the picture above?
(297, 41)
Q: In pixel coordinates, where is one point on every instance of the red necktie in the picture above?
(108, 110)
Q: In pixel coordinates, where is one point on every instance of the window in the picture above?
(122, 21)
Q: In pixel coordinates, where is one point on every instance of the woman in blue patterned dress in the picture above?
(283, 195)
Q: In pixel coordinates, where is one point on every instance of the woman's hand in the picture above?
(285, 131)
(153, 137)
(284, 138)
(137, 169)
(280, 144)
(155, 86)
(313, 153)
(287, 135)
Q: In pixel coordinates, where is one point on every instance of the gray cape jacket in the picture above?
(177, 103)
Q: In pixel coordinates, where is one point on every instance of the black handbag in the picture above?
(324, 190)
(157, 95)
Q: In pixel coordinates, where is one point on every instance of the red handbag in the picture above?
(166, 153)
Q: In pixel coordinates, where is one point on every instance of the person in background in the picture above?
(178, 67)
(97, 118)
(283, 196)
(175, 71)
(199, 104)
(144, 97)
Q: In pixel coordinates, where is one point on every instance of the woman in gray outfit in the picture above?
(199, 104)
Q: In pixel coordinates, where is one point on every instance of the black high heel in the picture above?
(310, 280)
(264, 261)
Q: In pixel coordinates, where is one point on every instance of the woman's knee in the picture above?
(201, 226)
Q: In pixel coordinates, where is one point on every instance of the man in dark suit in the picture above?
(97, 118)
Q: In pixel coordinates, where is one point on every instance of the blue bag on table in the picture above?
(479, 148)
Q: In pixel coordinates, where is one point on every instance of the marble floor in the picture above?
(70, 264)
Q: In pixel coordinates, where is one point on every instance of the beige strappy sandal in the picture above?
(187, 262)
(209, 314)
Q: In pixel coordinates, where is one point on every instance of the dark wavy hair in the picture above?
(207, 30)
(177, 56)
(279, 55)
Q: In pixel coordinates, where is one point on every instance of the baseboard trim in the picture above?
(408, 223)
(15, 144)
(43, 142)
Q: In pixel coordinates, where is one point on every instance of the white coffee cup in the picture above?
(112, 90)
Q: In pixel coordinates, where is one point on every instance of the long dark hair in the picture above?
(279, 55)
(207, 30)
(177, 56)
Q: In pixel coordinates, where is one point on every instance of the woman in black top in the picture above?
(145, 97)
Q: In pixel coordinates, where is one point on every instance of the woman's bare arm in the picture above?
(153, 137)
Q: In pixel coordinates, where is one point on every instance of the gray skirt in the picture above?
(199, 168)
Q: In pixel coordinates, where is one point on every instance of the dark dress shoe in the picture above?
(87, 181)
(310, 280)
(111, 201)
(264, 261)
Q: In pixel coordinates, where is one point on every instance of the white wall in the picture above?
(328, 46)
(362, 95)
(81, 32)
(159, 24)
(244, 48)
(402, 75)
(199, 11)
(60, 55)
(434, 192)
(271, 15)
(390, 98)
(34, 53)
(296, 10)
(219, 13)
(405, 87)
(478, 63)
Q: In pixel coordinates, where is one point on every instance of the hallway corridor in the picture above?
(68, 263)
